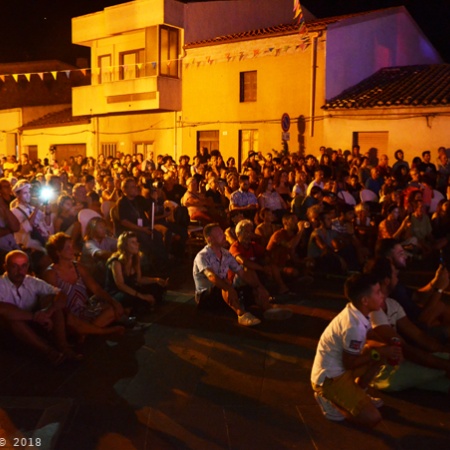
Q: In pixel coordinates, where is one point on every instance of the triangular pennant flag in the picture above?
(2, 77)
(297, 8)
(277, 52)
(186, 65)
(27, 76)
(83, 71)
(67, 72)
(41, 75)
(241, 56)
(255, 52)
(168, 63)
(140, 66)
(271, 49)
(16, 77)
(153, 65)
(286, 48)
(55, 74)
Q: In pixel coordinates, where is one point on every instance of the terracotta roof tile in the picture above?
(424, 85)
(284, 29)
(59, 118)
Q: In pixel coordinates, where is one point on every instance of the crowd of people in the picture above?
(97, 238)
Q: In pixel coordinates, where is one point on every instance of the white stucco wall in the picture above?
(412, 130)
(358, 47)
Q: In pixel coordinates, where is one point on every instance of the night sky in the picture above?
(40, 29)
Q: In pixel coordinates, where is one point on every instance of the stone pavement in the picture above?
(197, 380)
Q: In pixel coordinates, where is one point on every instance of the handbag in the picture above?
(35, 233)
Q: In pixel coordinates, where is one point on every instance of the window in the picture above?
(108, 148)
(247, 91)
(168, 52)
(208, 139)
(132, 64)
(104, 64)
(143, 147)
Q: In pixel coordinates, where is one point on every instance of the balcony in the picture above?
(123, 18)
(137, 95)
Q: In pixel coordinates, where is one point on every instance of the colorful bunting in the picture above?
(228, 57)
(303, 30)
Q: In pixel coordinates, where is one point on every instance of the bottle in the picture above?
(395, 342)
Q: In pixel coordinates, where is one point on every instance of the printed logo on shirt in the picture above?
(355, 345)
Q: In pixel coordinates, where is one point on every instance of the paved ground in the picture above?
(196, 380)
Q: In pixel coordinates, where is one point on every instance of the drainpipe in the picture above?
(175, 140)
(314, 37)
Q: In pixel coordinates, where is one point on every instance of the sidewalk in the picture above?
(197, 380)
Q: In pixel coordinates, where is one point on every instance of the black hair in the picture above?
(384, 247)
(358, 286)
(380, 268)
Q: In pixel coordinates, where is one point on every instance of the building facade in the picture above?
(174, 77)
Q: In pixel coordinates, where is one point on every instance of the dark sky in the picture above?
(40, 29)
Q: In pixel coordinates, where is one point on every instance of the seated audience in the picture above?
(88, 315)
(212, 285)
(27, 302)
(98, 247)
(124, 279)
(345, 362)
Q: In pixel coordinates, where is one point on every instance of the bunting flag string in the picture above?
(303, 30)
(187, 63)
(84, 72)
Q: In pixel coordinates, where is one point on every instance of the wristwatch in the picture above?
(375, 355)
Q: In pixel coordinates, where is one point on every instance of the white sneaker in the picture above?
(328, 408)
(248, 320)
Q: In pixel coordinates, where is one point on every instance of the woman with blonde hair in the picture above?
(124, 279)
(98, 246)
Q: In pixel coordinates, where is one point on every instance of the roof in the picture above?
(421, 85)
(35, 66)
(285, 29)
(59, 118)
(39, 83)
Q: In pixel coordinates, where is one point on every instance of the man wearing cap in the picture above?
(35, 222)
